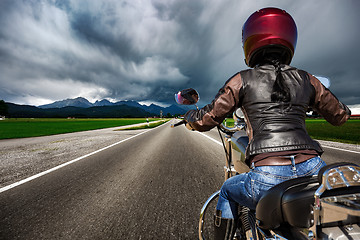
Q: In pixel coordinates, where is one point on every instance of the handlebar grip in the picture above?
(179, 123)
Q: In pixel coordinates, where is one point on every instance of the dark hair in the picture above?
(280, 91)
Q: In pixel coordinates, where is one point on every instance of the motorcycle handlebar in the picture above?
(178, 124)
(222, 127)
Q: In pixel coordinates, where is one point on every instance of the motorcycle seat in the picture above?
(289, 202)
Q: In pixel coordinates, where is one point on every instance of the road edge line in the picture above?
(323, 145)
(216, 141)
(340, 149)
(28, 179)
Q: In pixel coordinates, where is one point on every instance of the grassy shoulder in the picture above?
(347, 133)
(26, 127)
(322, 130)
(145, 126)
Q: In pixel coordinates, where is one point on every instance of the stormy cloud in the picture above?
(148, 50)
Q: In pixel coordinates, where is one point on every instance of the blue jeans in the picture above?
(246, 189)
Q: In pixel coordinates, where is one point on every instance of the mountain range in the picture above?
(84, 103)
(81, 107)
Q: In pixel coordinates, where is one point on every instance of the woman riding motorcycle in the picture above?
(274, 98)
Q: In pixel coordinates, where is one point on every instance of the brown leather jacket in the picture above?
(271, 126)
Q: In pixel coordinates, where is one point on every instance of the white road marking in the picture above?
(339, 149)
(216, 141)
(3, 189)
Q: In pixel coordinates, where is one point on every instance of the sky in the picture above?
(147, 50)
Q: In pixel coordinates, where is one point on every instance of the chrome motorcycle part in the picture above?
(187, 97)
(205, 207)
(337, 202)
(239, 119)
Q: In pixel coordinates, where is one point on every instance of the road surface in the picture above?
(151, 186)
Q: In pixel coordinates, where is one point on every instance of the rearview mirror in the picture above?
(239, 118)
(324, 80)
(187, 97)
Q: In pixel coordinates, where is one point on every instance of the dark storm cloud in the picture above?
(148, 50)
(95, 50)
(327, 45)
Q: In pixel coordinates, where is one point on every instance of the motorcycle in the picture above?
(326, 206)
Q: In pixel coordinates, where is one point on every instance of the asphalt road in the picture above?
(149, 187)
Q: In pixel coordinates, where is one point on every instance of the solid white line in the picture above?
(340, 149)
(3, 189)
(216, 141)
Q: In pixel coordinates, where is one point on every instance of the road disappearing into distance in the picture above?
(150, 186)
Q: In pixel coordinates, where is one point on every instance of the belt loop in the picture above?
(252, 165)
(292, 157)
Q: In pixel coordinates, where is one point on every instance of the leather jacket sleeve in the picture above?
(225, 102)
(325, 103)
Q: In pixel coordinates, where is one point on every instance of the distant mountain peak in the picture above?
(103, 102)
(75, 102)
(84, 103)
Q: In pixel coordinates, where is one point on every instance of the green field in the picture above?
(347, 133)
(26, 127)
(145, 126)
(322, 130)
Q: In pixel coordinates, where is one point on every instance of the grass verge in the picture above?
(322, 130)
(144, 126)
(26, 127)
(347, 133)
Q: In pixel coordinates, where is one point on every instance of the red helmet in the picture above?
(269, 30)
